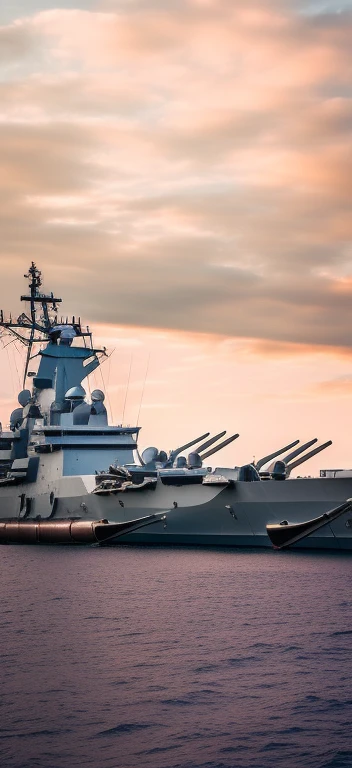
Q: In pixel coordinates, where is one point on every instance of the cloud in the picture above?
(341, 387)
(17, 42)
(184, 167)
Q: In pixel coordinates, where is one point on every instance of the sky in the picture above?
(181, 172)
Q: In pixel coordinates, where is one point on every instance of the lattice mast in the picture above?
(35, 327)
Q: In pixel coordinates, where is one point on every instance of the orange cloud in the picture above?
(341, 387)
(194, 159)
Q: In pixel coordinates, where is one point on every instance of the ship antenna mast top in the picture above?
(31, 330)
(37, 327)
(35, 297)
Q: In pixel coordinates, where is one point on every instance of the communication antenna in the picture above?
(105, 389)
(15, 362)
(127, 388)
(107, 386)
(108, 382)
(10, 367)
(36, 326)
(143, 388)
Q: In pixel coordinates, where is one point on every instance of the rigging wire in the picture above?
(15, 362)
(143, 388)
(127, 388)
(88, 386)
(107, 387)
(8, 343)
(106, 391)
(12, 381)
(109, 367)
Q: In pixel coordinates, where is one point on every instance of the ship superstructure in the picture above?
(55, 414)
(56, 432)
(61, 462)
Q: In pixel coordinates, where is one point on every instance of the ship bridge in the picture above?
(86, 449)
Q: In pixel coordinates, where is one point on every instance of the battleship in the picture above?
(68, 476)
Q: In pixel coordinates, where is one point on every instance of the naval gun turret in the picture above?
(174, 468)
(154, 459)
(282, 468)
(307, 456)
(265, 459)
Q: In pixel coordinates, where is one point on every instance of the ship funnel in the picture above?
(300, 449)
(218, 447)
(259, 464)
(307, 456)
(175, 453)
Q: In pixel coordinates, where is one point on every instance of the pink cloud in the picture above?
(206, 143)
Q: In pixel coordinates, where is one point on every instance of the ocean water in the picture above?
(175, 658)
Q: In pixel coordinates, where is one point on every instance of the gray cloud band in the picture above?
(210, 194)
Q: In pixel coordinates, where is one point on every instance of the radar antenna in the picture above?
(35, 327)
(35, 278)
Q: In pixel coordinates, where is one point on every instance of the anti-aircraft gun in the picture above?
(282, 468)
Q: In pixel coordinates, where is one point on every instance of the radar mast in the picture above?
(36, 327)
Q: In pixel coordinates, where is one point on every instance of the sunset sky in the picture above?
(181, 171)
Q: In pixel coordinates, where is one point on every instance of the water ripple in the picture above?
(174, 659)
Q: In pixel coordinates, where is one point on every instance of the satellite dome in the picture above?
(16, 419)
(98, 395)
(149, 455)
(24, 397)
(75, 393)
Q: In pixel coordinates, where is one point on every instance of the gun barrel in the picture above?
(307, 456)
(218, 447)
(210, 442)
(300, 449)
(175, 453)
(259, 464)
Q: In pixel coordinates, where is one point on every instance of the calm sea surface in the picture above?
(175, 658)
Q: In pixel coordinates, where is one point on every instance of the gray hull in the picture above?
(211, 516)
(237, 516)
